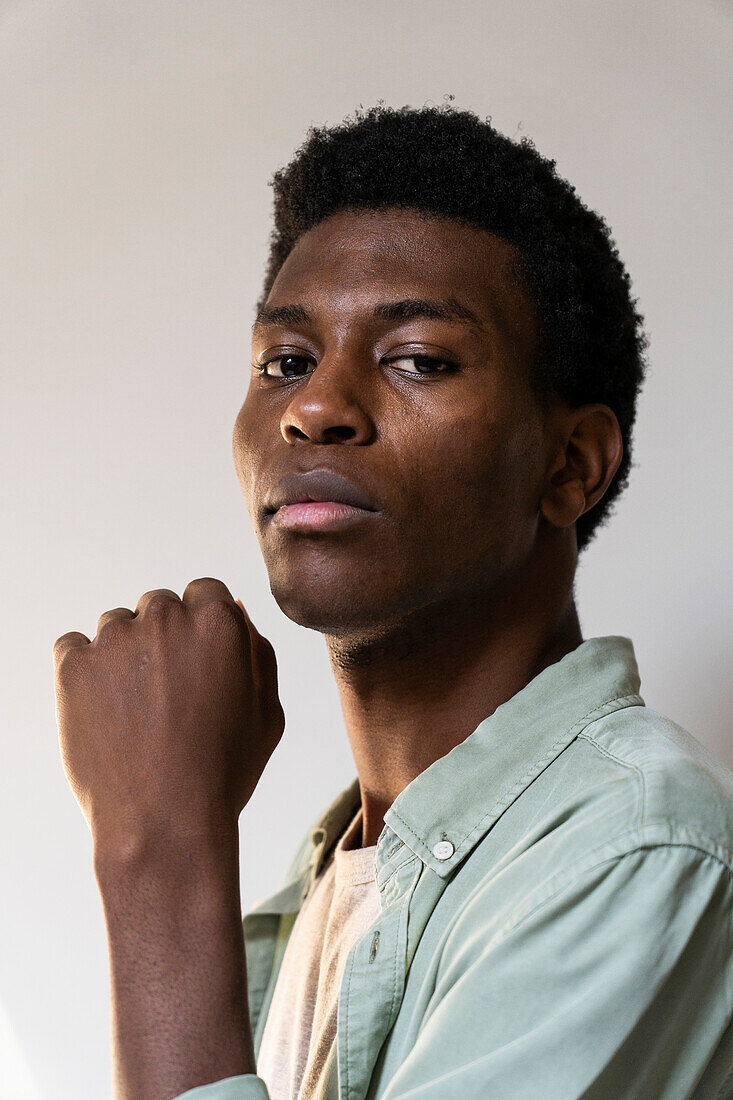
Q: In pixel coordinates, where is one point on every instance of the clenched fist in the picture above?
(167, 717)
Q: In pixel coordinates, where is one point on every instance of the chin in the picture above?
(356, 604)
(327, 610)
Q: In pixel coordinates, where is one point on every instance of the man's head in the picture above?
(509, 437)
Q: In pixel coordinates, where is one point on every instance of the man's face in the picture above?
(448, 448)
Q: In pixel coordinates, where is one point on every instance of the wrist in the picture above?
(177, 960)
(175, 855)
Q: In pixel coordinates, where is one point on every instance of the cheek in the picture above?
(246, 448)
(480, 468)
(241, 434)
(465, 449)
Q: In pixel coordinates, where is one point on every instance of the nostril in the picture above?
(344, 432)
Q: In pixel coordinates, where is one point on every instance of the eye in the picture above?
(296, 366)
(424, 364)
(285, 366)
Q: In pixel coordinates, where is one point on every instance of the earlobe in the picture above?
(563, 503)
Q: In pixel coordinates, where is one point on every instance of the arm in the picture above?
(177, 969)
(618, 984)
(166, 722)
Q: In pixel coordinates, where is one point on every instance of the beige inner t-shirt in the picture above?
(301, 1023)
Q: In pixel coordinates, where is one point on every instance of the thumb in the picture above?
(263, 652)
(250, 624)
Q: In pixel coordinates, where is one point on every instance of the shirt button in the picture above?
(443, 849)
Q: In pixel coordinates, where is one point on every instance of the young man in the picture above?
(526, 891)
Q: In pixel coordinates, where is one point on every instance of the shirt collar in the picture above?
(490, 768)
(510, 748)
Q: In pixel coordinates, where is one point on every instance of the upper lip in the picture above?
(320, 484)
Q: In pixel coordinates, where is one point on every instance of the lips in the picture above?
(317, 485)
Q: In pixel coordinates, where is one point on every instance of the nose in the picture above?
(329, 407)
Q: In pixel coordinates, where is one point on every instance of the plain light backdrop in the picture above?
(137, 142)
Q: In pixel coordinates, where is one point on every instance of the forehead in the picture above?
(357, 257)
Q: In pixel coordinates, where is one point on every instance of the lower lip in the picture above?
(319, 515)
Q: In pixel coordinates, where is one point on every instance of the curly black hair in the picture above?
(450, 163)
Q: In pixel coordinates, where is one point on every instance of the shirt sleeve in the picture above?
(618, 984)
(245, 1086)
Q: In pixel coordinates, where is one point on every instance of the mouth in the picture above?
(317, 500)
(319, 515)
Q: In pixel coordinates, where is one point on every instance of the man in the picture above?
(527, 889)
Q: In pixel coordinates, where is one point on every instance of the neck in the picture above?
(422, 686)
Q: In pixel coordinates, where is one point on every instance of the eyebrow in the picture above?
(437, 309)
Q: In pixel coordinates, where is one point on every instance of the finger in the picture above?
(206, 588)
(254, 632)
(268, 663)
(263, 652)
(73, 639)
(258, 657)
(155, 593)
(253, 639)
(115, 613)
(246, 615)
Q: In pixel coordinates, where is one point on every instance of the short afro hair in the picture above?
(449, 163)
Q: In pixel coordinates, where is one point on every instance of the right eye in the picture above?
(286, 366)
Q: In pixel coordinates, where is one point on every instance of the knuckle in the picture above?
(158, 605)
(110, 638)
(110, 622)
(69, 661)
(65, 641)
(203, 588)
(216, 610)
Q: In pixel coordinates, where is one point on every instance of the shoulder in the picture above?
(671, 789)
(634, 801)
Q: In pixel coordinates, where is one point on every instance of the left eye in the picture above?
(424, 364)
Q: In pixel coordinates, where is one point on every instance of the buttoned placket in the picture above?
(418, 852)
(376, 967)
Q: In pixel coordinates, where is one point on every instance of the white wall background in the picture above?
(136, 143)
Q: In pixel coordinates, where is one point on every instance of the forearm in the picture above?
(177, 967)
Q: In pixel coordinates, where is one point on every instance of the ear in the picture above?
(587, 453)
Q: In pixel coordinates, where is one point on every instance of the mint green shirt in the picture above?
(556, 911)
